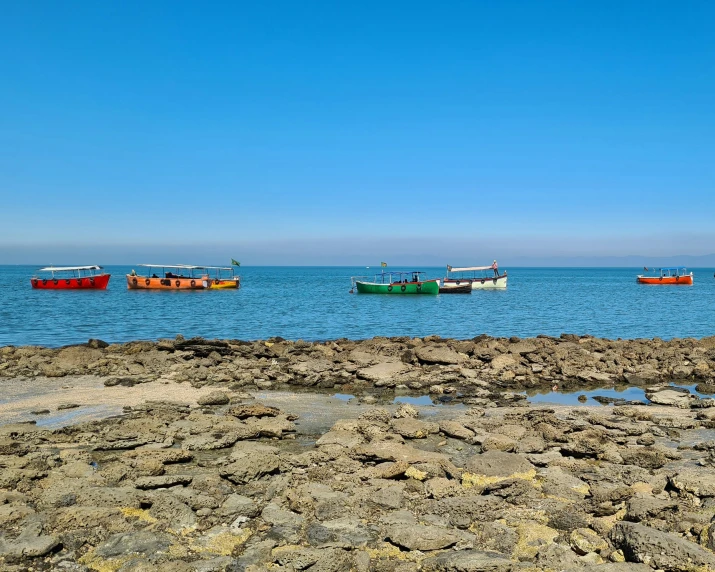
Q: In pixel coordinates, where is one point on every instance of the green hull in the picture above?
(410, 288)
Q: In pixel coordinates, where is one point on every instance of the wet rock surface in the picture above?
(230, 482)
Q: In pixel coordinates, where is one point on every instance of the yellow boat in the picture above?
(222, 278)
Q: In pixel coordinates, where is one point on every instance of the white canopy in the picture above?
(61, 268)
(184, 266)
(469, 268)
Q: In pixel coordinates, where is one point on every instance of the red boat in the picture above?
(678, 275)
(71, 278)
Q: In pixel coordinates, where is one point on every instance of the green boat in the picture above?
(396, 283)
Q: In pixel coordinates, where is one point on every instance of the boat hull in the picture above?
(98, 282)
(686, 280)
(225, 284)
(464, 288)
(147, 283)
(486, 283)
(426, 287)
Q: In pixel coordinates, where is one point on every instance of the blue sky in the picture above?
(286, 132)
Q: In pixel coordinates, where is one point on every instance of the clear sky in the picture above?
(289, 132)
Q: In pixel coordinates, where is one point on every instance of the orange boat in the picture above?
(171, 277)
(677, 275)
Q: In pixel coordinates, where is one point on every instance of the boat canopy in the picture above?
(468, 268)
(68, 268)
(184, 266)
(673, 269)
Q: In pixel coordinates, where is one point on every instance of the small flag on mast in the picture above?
(235, 262)
(383, 264)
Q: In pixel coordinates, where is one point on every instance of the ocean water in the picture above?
(313, 303)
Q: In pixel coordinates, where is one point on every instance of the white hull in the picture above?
(485, 283)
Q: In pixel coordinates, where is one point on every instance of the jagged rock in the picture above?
(382, 372)
(659, 549)
(413, 428)
(696, 482)
(585, 540)
(498, 464)
(421, 537)
(638, 509)
(250, 465)
(455, 429)
(253, 410)
(140, 542)
(214, 398)
(164, 481)
(469, 561)
(438, 354)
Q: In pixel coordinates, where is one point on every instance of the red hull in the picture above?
(686, 280)
(98, 282)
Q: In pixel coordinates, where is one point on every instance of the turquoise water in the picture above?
(313, 303)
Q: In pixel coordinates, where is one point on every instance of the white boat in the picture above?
(481, 277)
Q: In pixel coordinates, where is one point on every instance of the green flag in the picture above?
(235, 262)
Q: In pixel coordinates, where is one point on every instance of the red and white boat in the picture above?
(668, 276)
(71, 278)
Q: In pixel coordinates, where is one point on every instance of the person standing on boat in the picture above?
(495, 267)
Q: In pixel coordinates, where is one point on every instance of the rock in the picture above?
(214, 398)
(585, 540)
(31, 543)
(141, 542)
(642, 508)
(468, 561)
(238, 505)
(97, 344)
(499, 464)
(495, 442)
(659, 549)
(346, 439)
(455, 429)
(146, 483)
(254, 410)
(438, 355)
(405, 410)
(670, 397)
(612, 567)
(347, 531)
(421, 537)
(382, 372)
(250, 465)
(413, 428)
(698, 482)
(63, 406)
(645, 457)
(40, 411)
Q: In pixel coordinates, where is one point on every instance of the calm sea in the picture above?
(313, 303)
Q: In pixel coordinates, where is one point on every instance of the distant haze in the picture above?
(422, 250)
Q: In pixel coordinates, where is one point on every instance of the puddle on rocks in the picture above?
(625, 393)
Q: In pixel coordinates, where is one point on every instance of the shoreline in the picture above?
(420, 364)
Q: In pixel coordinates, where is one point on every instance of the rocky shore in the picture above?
(430, 363)
(229, 482)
